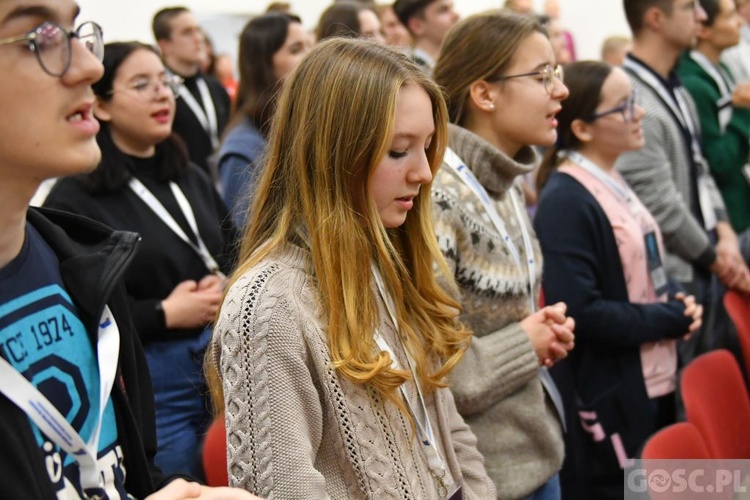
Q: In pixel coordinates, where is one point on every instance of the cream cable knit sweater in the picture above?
(295, 429)
(496, 385)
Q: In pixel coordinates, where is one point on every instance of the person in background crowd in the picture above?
(557, 39)
(223, 70)
(270, 47)
(615, 48)
(145, 184)
(349, 18)
(428, 21)
(522, 7)
(395, 33)
(552, 9)
(500, 106)
(203, 107)
(737, 58)
(334, 337)
(284, 7)
(670, 174)
(723, 112)
(602, 256)
(60, 286)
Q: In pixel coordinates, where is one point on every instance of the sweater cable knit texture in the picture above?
(295, 428)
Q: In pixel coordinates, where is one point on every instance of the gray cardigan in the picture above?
(659, 173)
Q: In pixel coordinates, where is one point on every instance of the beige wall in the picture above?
(590, 20)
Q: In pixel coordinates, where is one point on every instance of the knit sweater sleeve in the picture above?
(476, 484)
(274, 417)
(497, 363)
(493, 367)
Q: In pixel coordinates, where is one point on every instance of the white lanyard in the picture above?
(208, 118)
(724, 103)
(712, 71)
(682, 113)
(49, 420)
(470, 180)
(155, 205)
(674, 100)
(424, 429)
(623, 192)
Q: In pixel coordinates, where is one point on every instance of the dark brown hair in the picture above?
(260, 39)
(584, 80)
(161, 24)
(636, 9)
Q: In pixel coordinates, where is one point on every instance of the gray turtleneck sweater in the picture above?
(496, 385)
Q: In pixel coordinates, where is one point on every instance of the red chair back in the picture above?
(717, 403)
(215, 454)
(738, 307)
(677, 441)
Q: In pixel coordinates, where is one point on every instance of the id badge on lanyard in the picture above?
(706, 205)
(655, 266)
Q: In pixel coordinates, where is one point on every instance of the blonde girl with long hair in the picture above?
(334, 338)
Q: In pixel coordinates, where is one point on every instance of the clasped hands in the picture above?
(693, 310)
(551, 333)
(729, 266)
(180, 489)
(194, 304)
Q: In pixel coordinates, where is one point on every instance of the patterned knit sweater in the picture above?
(295, 428)
(496, 386)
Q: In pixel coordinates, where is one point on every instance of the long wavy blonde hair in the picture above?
(333, 124)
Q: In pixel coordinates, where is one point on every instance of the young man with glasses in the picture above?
(76, 409)
(203, 107)
(670, 174)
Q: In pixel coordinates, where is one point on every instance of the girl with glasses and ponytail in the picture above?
(603, 256)
(146, 184)
(500, 106)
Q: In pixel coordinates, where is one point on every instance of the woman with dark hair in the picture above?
(352, 19)
(270, 46)
(146, 184)
(603, 256)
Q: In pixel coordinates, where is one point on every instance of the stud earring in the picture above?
(490, 107)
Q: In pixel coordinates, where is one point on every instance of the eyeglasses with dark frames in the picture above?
(548, 74)
(627, 109)
(52, 44)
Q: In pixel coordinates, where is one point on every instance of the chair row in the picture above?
(718, 413)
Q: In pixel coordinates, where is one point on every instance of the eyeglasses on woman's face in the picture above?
(548, 74)
(627, 109)
(146, 87)
(52, 44)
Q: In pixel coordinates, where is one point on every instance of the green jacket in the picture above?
(726, 151)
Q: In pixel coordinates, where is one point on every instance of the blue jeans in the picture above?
(181, 403)
(548, 491)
